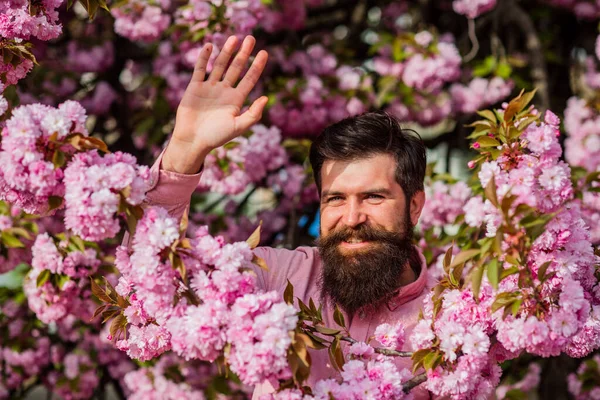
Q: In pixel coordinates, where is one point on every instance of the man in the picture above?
(369, 173)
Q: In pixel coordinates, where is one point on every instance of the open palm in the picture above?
(209, 114)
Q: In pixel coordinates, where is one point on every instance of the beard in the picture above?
(365, 277)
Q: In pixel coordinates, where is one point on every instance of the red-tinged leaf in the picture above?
(109, 314)
(327, 331)
(99, 292)
(418, 357)
(260, 262)
(490, 192)
(288, 293)
(54, 202)
(117, 325)
(98, 311)
(447, 259)
(122, 301)
(254, 239)
(316, 342)
(542, 270)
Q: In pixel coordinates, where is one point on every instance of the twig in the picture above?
(414, 382)
(475, 43)
(381, 350)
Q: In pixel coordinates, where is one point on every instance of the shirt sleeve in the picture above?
(170, 190)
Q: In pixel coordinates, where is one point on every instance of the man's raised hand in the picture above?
(209, 114)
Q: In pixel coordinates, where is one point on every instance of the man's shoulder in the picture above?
(299, 253)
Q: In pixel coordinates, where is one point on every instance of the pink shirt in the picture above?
(302, 267)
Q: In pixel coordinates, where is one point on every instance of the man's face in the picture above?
(364, 191)
(366, 230)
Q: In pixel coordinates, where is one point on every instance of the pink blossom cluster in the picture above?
(583, 9)
(20, 20)
(286, 15)
(326, 92)
(157, 382)
(77, 379)
(570, 323)
(444, 203)
(422, 73)
(479, 93)
(89, 59)
(230, 169)
(462, 329)
(473, 8)
(582, 124)
(20, 359)
(258, 331)
(141, 20)
(583, 384)
(66, 290)
(29, 177)
(3, 101)
(238, 18)
(529, 383)
(531, 171)
(220, 304)
(365, 375)
(98, 188)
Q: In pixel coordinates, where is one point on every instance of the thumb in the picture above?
(251, 116)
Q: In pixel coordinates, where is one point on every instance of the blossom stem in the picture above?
(382, 350)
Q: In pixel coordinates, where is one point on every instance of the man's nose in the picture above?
(354, 215)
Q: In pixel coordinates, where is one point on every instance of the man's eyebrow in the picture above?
(331, 193)
(378, 191)
(370, 191)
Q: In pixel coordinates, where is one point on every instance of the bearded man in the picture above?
(369, 173)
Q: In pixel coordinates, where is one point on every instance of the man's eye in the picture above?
(333, 198)
(375, 196)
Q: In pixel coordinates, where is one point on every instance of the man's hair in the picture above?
(367, 135)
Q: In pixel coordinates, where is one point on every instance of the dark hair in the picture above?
(366, 135)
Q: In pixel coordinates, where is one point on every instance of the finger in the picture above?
(201, 63)
(249, 80)
(251, 116)
(240, 60)
(223, 59)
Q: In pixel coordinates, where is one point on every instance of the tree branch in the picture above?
(414, 382)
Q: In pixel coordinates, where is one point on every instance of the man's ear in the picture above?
(416, 206)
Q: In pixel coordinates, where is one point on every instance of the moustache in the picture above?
(364, 233)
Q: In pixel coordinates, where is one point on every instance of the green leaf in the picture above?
(489, 115)
(493, 273)
(43, 277)
(476, 276)
(338, 317)
(486, 141)
(11, 241)
(464, 256)
(447, 259)
(542, 270)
